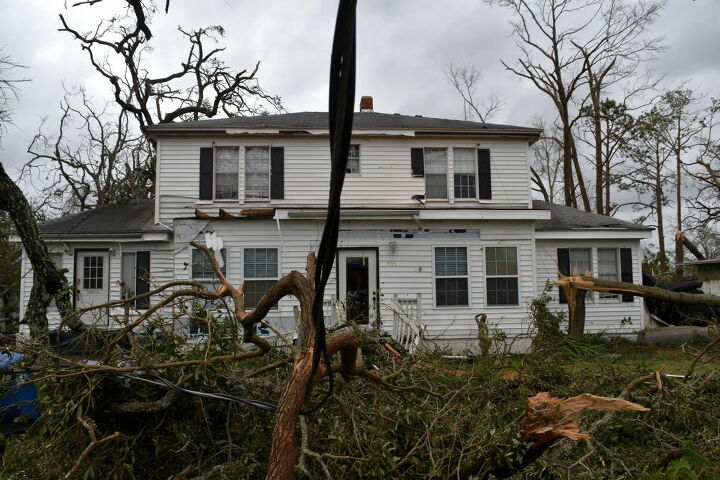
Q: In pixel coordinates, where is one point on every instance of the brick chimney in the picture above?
(366, 104)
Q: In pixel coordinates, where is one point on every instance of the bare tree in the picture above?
(612, 56)
(204, 86)
(706, 175)
(546, 165)
(8, 88)
(466, 79)
(96, 158)
(544, 32)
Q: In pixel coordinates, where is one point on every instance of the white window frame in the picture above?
(214, 173)
(466, 276)
(517, 276)
(475, 170)
(269, 174)
(359, 165)
(447, 174)
(610, 297)
(275, 307)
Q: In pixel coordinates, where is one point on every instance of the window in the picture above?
(353, 164)
(202, 270)
(436, 173)
(581, 261)
(465, 172)
(501, 272)
(257, 173)
(227, 164)
(260, 266)
(451, 276)
(135, 276)
(608, 268)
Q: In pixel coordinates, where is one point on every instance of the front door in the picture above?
(358, 284)
(92, 279)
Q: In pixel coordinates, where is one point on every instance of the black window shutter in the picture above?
(484, 185)
(626, 271)
(277, 172)
(206, 173)
(563, 255)
(417, 162)
(142, 278)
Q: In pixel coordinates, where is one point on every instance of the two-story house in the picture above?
(437, 219)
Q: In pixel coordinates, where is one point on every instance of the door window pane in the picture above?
(93, 272)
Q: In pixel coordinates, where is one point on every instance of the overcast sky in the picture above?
(403, 49)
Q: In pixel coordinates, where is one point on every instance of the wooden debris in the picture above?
(225, 214)
(258, 212)
(549, 418)
(200, 214)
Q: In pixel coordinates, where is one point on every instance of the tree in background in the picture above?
(575, 49)
(649, 173)
(109, 161)
(466, 80)
(97, 158)
(546, 167)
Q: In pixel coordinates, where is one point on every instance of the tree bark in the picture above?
(48, 282)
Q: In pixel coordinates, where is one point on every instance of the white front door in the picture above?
(92, 283)
(358, 284)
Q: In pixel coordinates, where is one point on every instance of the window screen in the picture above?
(436, 173)
(227, 164)
(257, 172)
(451, 276)
(608, 268)
(465, 168)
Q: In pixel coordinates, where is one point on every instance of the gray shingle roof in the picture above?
(137, 216)
(568, 218)
(361, 120)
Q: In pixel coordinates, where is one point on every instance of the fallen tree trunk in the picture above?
(582, 282)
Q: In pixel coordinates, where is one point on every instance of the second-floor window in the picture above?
(257, 173)
(227, 164)
(353, 164)
(465, 172)
(436, 173)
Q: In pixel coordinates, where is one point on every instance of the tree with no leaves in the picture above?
(465, 79)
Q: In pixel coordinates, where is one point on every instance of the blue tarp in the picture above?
(20, 400)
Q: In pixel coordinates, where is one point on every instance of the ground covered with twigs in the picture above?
(433, 418)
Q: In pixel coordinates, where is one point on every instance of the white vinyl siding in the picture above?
(465, 173)
(601, 316)
(257, 173)
(436, 184)
(385, 178)
(227, 165)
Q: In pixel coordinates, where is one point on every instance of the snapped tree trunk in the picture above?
(48, 282)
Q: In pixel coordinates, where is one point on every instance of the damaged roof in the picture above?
(568, 218)
(137, 216)
(296, 122)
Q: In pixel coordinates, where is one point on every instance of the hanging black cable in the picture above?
(340, 116)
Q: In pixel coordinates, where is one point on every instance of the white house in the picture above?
(437, 217)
